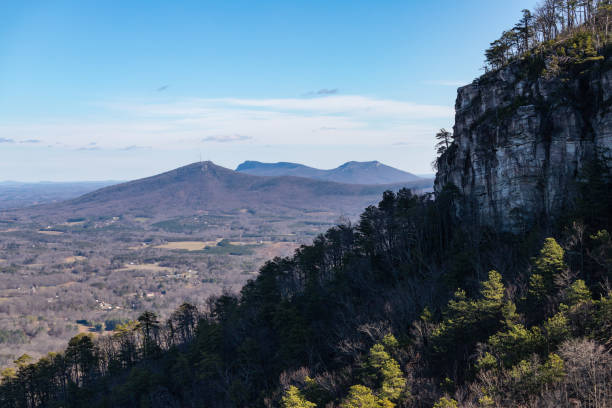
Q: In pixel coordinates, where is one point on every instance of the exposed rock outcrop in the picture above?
(522, 141)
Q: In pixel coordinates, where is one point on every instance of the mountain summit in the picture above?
(207, 186)
(353, 172)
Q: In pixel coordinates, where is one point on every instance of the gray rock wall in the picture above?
(522, 143)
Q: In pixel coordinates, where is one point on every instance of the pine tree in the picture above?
(445, 138)
(550, 263)
(148, 326)
(577, 292)
(387, 370)
(446, 403)
(361, 396)
(293, 398)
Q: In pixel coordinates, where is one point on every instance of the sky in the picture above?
(118, 90)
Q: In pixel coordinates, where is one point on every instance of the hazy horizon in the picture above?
(98, 92)
(108, 180)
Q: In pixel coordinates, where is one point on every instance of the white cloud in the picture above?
(330, 120)
(226, 138)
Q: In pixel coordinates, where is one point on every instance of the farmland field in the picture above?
(54, 273)
(188, 245)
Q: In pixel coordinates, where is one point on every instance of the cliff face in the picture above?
(522, 141)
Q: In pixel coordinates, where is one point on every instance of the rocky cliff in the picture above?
(522, 139)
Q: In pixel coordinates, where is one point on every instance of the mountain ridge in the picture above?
(352, 172)
(207, 186)
(428, 301)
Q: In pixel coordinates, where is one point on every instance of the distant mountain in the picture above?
(208, 187)
(353, 172)
(279, 169)
(14, 194)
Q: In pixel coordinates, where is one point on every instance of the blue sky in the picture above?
(93, 90)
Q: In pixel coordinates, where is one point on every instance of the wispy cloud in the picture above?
(348, 105)
(134, 147)
(326, 91)
(447, 82)
(90, 149)
(6, 140)
(180, 124)
(227, 138)
(31, 141)
(323, 92)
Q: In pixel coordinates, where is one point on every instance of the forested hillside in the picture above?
(419, 304)
(368, 313)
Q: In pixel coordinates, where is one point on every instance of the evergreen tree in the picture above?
(445, 138)
(469, 321)
(386, 371)
(577, 292)
(148, 325)
(524, 29)
(549, 269)
(294, 399)
(360, 396)
(445, 402)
